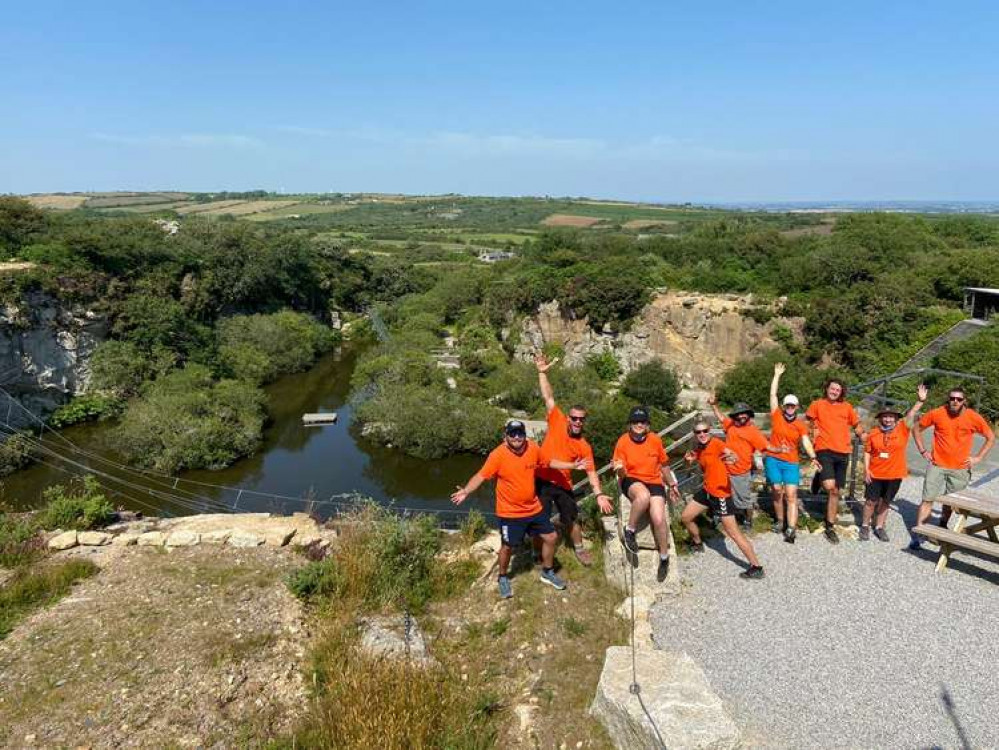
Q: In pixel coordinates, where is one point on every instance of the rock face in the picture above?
(46, 347)
(700, 336)
(680, 711)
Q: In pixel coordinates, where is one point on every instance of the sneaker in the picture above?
(584, 557)
(549, 576)
(831, 535)
(697, 546)
(630, 542)
(747, 525)
(776, 528)
(663, 570)
(752, 572)
(916, 542)
(790, 535)
(505, 587)
(881, 534)
(865, 533)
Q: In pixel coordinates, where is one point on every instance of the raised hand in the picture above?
(779, 368)
(712, 400)
(922, 392)
(542, 363)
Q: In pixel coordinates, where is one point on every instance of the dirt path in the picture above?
(198, 647)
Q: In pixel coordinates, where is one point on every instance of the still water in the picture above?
(294, 461)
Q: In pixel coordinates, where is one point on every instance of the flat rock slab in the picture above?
(676, 707)
(273, 530)
(65, 540)
(182, 539)
(93, 538)
(151, 539)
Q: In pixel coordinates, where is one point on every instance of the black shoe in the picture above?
(881, 534)
(663, 569)
(831, 535)
(752, 572)
(630, 542)
(697, 546)
(790, 535)
(865, 533)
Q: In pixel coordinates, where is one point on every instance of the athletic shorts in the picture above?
(940, 481)
(833, 466)
(562, 499)
(657, 490)
(720, 506)
(742, 490)
(780, 472)
(882, 489)
(513, 530)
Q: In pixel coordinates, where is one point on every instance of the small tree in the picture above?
(652, 384)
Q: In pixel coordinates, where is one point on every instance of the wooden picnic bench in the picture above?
(966, 503)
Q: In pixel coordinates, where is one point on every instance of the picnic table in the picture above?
(966, 503)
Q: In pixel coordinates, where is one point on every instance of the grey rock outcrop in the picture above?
(65, 540)
(93, 538)
(387, 637)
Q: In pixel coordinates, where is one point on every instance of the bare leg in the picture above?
(735, 534)
(778, 498)
(923, 514)
(690, 513)
(503, 559)
(868, 512)
(548, 549)
(576, 535)
(791, 493)
(657, 516)
(882, 514)
(832, 504)
(640, 498)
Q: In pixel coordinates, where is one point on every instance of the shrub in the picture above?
(20, 542)
(652, 384)
(976, 355)
(80, 505)
(259, 348)
(473, 528)
(14, 454)
(605, 365)
(85, 408)
(121, 368)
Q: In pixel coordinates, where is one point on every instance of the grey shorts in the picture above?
(742, 493)
(940, 481)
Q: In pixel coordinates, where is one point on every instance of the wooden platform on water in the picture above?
(318, 420)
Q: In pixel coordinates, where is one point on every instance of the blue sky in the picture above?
(709, 101)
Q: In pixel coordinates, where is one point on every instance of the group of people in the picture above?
(532, 479)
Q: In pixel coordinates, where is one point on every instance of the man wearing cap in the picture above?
(782, 467)
(885, 465)
(954, 429)
(518, 510)
(642, 468)
(744, 439)
(565, 442)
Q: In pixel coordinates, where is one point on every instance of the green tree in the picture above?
(652, 384)
(19, 222)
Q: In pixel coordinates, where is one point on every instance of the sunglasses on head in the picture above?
(701, 432)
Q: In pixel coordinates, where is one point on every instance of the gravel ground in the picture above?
(859, 645)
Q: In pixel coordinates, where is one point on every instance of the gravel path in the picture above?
(859, 645)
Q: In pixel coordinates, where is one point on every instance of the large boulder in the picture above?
(675, 706)
(620, 566)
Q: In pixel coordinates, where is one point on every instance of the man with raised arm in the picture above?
(884, 464)
(518, 510)
(954, 429)
(832, 417)
(564, 441)
(783, 467)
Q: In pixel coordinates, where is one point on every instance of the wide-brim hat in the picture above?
(893, 412)
(741, 408)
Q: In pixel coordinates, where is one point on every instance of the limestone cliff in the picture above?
(700, 336)
(45, 347)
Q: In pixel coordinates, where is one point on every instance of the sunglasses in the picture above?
(701, 432)
(576, 419)
(955, 398)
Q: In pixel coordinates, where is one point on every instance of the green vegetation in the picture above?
(80, 505)
(32, 589)
(652, 384)
(976, 355)
(258, 348)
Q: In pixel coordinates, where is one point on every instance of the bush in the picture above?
(122, 368)
(80, 505)
(188, 421)
(86, 408)
(20, 542)
(652, 384)
(605, 365)
(259, 348)
(976, 355)
(749, 381)
(14, 454)
(473, 528)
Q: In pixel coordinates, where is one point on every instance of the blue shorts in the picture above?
(781, 472)
(513, 530)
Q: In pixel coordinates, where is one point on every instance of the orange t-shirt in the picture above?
(784, 433)
(887, 450)
(833, 420)
(744, 442)
(716, 482)
(642, 461)
(515, 495)
(953, 436)
(561, 446)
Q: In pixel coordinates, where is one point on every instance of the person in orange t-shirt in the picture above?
(831, 418)
(884, 464)
(642, 468)
(518, 510)
(711, 453)
(954, 429)
(564, 441)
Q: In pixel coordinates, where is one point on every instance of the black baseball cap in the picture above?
(515, 427)
(639, 414)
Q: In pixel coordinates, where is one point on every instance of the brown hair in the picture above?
(837, 381)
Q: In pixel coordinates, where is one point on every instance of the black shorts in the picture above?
(513, 530)
(564, 501)
(657, 490)
(882, 489)
(833, 466)
(720, 506)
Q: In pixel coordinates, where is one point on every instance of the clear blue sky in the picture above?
(705, 101)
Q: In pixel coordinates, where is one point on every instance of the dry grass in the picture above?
(130, 199)
(58, 202)
(211, 206)
(254, 207)
(648, 224)
(568, 220)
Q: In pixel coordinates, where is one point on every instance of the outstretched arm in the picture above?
(604, 501)
(463, 492)
(774, 385)
(547, 394)
(713, 400)
(921, 393)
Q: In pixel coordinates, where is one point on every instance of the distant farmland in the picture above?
(58, 202)
(567, 220)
